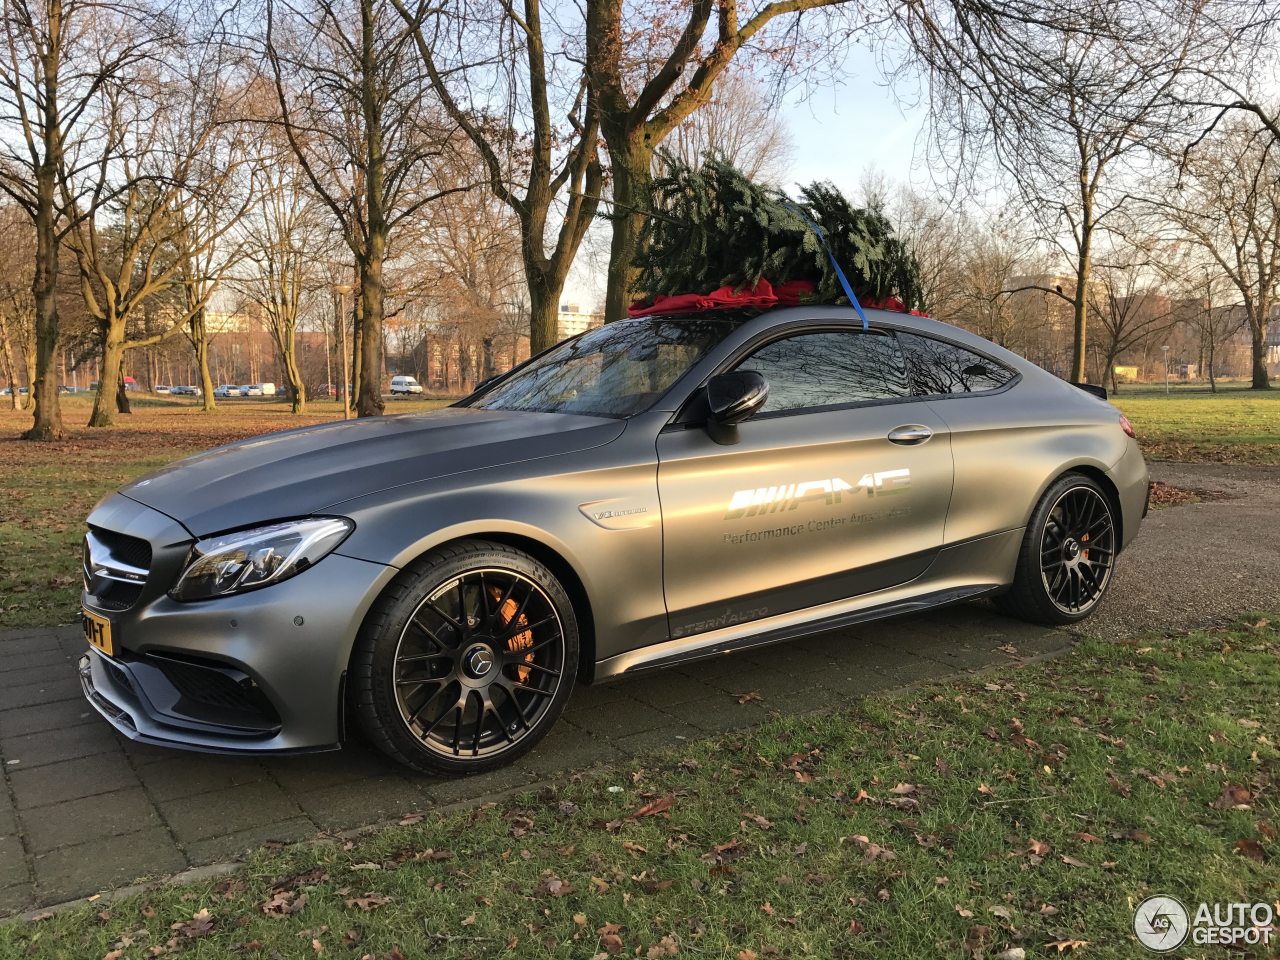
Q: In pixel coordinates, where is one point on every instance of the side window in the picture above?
(832, 367)
(938, 367)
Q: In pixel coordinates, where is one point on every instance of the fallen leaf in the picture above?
(370, 901)
(1073, 862)
(630, 847)
(1064, 945)
(1038, 847)
(1232, 798)
(1013, 953)
(410, 819)
(666, 947)
(200, 925)
(1251, 849)
(284, 903)
(749, 696)
(552, 887)
(654, 807)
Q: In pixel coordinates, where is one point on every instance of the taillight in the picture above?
(1127, 427)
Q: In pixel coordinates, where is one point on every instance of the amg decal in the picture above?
(762, 500)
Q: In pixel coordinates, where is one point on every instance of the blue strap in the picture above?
(844, 281)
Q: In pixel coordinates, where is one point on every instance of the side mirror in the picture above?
(731, 399)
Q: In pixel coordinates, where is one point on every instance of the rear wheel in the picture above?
(467, 660)
(1067, 556)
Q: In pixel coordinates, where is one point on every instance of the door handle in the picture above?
(910, 434)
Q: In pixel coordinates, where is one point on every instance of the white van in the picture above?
(405, 385)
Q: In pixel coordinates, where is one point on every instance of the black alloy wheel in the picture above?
(467, 660)
(1067, 556)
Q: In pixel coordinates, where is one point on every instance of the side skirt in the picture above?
(960, 572)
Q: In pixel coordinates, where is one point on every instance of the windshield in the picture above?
(619, 370)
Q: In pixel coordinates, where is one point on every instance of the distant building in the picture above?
(572, 320)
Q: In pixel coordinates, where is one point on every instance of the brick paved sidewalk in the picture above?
(84, 808)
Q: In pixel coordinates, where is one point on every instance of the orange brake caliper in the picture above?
(521, 641)
(1085, 539)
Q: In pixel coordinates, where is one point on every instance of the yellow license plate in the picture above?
(97, 630)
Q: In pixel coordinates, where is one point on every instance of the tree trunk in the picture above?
(47, 423)
(200, 341)
(10, 370)
(1080, 312)
(544, 310)
(122, 392)
(1258, 329)
(369, 397)
(632, 165)
(289, 359)
(1213, 381)
(109, 379)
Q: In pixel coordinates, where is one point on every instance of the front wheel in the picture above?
(466, 660)
(1067, 556)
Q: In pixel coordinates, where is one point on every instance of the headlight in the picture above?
(235, 562)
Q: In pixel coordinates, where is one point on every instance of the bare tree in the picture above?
(284, 234)
(353, 102)
(1128, 304)
(1226, 200)
(534, 121)
(1058, 100)
(645, 96)
(741, 122)
(140, 233)
(17, 307)
(58, 55)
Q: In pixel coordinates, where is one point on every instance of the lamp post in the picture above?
(1164, 350)
(342, 289)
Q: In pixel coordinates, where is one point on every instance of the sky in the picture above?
(839, 133)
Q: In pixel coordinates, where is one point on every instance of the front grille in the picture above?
(216, 693)
(116, 567)
(131, 550)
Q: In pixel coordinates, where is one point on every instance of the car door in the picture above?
(837, 487)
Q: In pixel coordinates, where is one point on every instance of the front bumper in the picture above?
(253, 673)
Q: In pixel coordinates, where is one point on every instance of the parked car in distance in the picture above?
(250, 390)
(8, 392)
(186, 391)
(161, 388)
(649, 494)
(405, 386)
(267, 389)
(227, 390)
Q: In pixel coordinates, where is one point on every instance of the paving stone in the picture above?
(17, 644)
(228, 811)
(322, 770)
(672, 735)
(47, 716)
(363, 802)
(589, 696)
(567, 747)
(13, 866)
(54, 658)
(744, 676)
(79, 821)
(15, 899)
(29, 694)
(181, 775)
(51, 746)
(234, 845)
(443, 791)
(665, 688)
(8, 819)
(71, 779)
(719, 716)
(106, 862)
(853, 683)
(40, 673)
(618, 719)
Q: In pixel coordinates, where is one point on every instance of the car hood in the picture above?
(299, 472)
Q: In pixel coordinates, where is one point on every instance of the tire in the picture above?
(1067, 557)
(466, 660)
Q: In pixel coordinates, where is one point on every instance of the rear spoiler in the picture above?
(1097, 391)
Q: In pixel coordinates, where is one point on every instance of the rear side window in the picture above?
(938, 367)
(829, 368)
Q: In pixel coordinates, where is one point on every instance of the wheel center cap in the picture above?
(478, 661)
(1072, 549)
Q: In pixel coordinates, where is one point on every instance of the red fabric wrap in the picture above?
(763, 295)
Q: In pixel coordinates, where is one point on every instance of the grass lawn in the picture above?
(1029, 808)
(49, 488)
(1234, 425)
